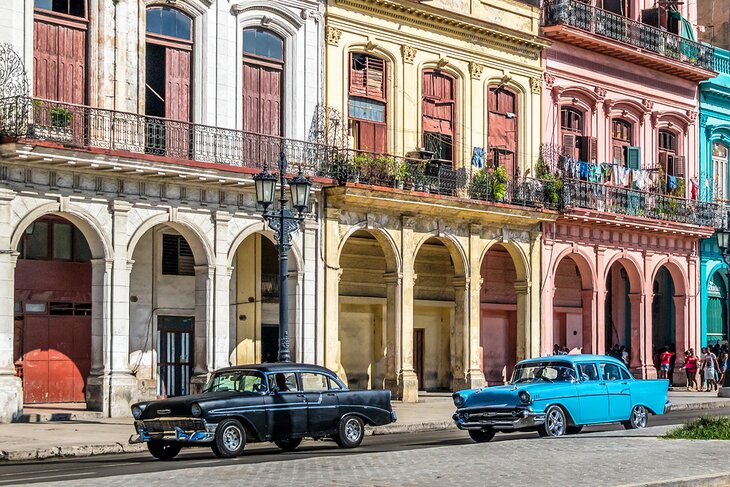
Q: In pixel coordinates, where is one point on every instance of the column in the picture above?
(311, 283)
(547, 328)
(681, 333)
(646, 336)
(601, 293)
(459, 349)
(474, 368)
(101, 306)
(332, 293)
(589, 298)
(523, 318)
(220, 343)
(407, 380)
(639, 364)
(204, 328)
(393, 281)
(11, 388)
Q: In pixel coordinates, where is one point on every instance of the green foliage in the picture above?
(60, 117)
(399, 170)
(552, 185)
(490, 183)
(704, 428)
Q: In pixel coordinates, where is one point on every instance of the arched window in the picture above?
(669, 160)
(624, 154)
(439, 114)
(168, 80)
(59, 51)
(368, 102)
(263, 71)
(719, 170)
(502, 128)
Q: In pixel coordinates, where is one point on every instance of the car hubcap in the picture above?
(556, 424)
(232, 438)
(639, 417)
(352, 429)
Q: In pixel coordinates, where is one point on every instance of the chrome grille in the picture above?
(165, 425)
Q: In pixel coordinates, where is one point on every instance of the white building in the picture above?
(133, 259)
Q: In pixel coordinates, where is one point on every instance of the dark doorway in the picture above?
(269, 343)
(418, 347)
(174, 352)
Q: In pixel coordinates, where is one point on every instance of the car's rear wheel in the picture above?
(350, 432)
(483, 435)
(288, 445)
(639, 418)
(555, 423)
(230, 439)
(574, 430)
(164, 450)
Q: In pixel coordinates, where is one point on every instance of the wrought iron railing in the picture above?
(585, 17)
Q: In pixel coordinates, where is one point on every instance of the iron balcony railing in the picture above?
(585, 17)
(625, 201)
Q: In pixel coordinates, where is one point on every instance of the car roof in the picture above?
(279, 367)
(573, 358)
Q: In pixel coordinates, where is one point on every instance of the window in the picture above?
(624, 154)
(588, 371)
(575, 144)
(334, 385)
(610, 371)
(312, 382)
(502, 128)
(169, 22)
(719, 170)
(283, 382)
(669, 160)
(76, 8)
(262, 43)
(439, 105)
(240, 381)
(625, 375)
(177, 256)
(367, 103)
(54, 239)
(571, 120)
(263, 81)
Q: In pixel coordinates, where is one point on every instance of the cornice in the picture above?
(454, 24)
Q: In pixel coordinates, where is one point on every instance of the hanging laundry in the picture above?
(477, 157)
(594, 173)
(625, 175)
(606, 171)
(671, 182)
(695, 188)
(583, 170)
(617, 175)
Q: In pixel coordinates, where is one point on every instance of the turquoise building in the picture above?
(713, 185)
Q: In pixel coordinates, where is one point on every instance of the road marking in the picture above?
(25, 479)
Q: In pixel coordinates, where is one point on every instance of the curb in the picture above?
(715, 480)
(391, 429)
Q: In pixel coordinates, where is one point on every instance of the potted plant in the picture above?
(358, 165)
(60, 117)
(480, 184)
(499, 183)
(399, 172)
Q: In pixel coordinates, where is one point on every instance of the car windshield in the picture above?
(544, 371)
(237, 380)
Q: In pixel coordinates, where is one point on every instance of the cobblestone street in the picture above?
(605, 458)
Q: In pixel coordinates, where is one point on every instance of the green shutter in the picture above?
(633, 157)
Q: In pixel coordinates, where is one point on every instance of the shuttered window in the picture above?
(571, 129)
(367, 76)
(633, 157)
(720, 170)
(502, 128)
(671, 162)
(367, 105)
(75, 8)
(177, 256)
(621, 137)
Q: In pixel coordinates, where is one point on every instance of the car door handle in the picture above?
(331, 394)
(300, 395)
(601, 383)
(624, 383)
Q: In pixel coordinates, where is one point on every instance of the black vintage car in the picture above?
(281, 402)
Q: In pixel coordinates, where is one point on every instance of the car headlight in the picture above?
(136, 411)
(196, 410)
(525, 397)
(458, 400)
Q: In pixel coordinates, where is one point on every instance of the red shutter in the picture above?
(368, 79)
(663, 160)
(678, 166)
(59, 62)
(438, 103)
(618, 154)
(251, 98)
(271, 101)
(569, 144)
(177, 87)
(588, 148)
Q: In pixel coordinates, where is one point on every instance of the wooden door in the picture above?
(261, 112)
(418, 348)
(175, 347)
(177, 102)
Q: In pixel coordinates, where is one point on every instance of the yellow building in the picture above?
(433, 265)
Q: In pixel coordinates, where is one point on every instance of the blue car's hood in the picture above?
(507, 395)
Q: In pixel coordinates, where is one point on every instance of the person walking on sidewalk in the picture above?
(709, 365)
(665, 361)
(690, 367)
(722, 361)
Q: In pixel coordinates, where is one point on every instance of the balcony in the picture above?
(581, 24)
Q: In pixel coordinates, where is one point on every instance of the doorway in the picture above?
(269, 343)
(175, 346)
(418, 347)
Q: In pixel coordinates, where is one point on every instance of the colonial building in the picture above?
(714, 143)
(133, 258)
(621, 265)
(432, 244)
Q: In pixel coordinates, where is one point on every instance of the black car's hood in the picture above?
(180, 406)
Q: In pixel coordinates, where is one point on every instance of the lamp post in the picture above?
(723, 242)
(283, 222)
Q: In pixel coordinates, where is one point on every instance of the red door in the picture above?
(261, 112)
(177, 102)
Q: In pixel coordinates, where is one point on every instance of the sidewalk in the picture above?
(91, 435)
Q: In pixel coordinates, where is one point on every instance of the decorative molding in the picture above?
(549, 80)
(333, 35)
(648, 104)
(654, 117)
(600, 93)
(608, 105)
(408, 53)
(475, 70)
(536, 85)
(703, 119)
(692, 115)
(556, 92)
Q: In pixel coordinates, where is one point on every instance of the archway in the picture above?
(618, 310)
(170, 288)
(663, 313)
(53, 308)
(717, 311)
(366, 328)
(254, 292)
(499, 315)
(573, 305)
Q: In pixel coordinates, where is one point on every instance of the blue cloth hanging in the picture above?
(477, 157)
(671, 182)
(583, 170)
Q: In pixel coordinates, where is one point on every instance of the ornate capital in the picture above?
(608, 105)
(648, 104)
(549, 80)
(333, 35)
(408, 53)
(654, 118)
(703, 120)
(475, 70)
(556, 91)
(600, 93)
(536, 85)
(692, 115)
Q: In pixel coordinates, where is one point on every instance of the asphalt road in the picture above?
(266, 453)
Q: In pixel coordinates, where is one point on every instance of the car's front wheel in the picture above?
(230, 439)
(483, 435)
(639, 418)
(164, 450)
(350, 432)
(555, 423)
(288, 445)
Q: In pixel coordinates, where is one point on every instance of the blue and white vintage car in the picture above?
(560, 394)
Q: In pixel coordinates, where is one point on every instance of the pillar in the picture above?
(393, 282)
(588, 299)
(641, 363)
(407, 380)
(459, 349)
(11, 388)
(220, 342)
(473, 312)
(311, 282)
(523, 318)
(332, 293)
(204, 328)
(681, 334)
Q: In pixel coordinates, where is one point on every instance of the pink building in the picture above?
(620, 266)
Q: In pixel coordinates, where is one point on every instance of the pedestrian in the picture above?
(709, 366)
(556, 349)
(624, 355)
(690, 367)
(615, 351)
(722, 360)
(665, 360)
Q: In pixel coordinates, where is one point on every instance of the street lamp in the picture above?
(723, 242)
(283, 222)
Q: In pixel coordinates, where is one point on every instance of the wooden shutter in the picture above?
(59, 62)
(676, 165)
(663, 159)
(569, 144)
(633, 157)
(251, 98)
(177, 84)
(588, 148)
(369, 79)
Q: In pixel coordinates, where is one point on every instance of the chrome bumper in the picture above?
(507, 420)
(393, 417)
(167, 430)
(667, 407)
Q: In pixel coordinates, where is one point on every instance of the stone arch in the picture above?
(202, 249)
(192, 8)
(456, 250)
(262, 228)
(385, 239)
(588, 273)
(99, 240)
(584, 98)
(632, 269)
(519, 258)
(679, 277)
(670, 119)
